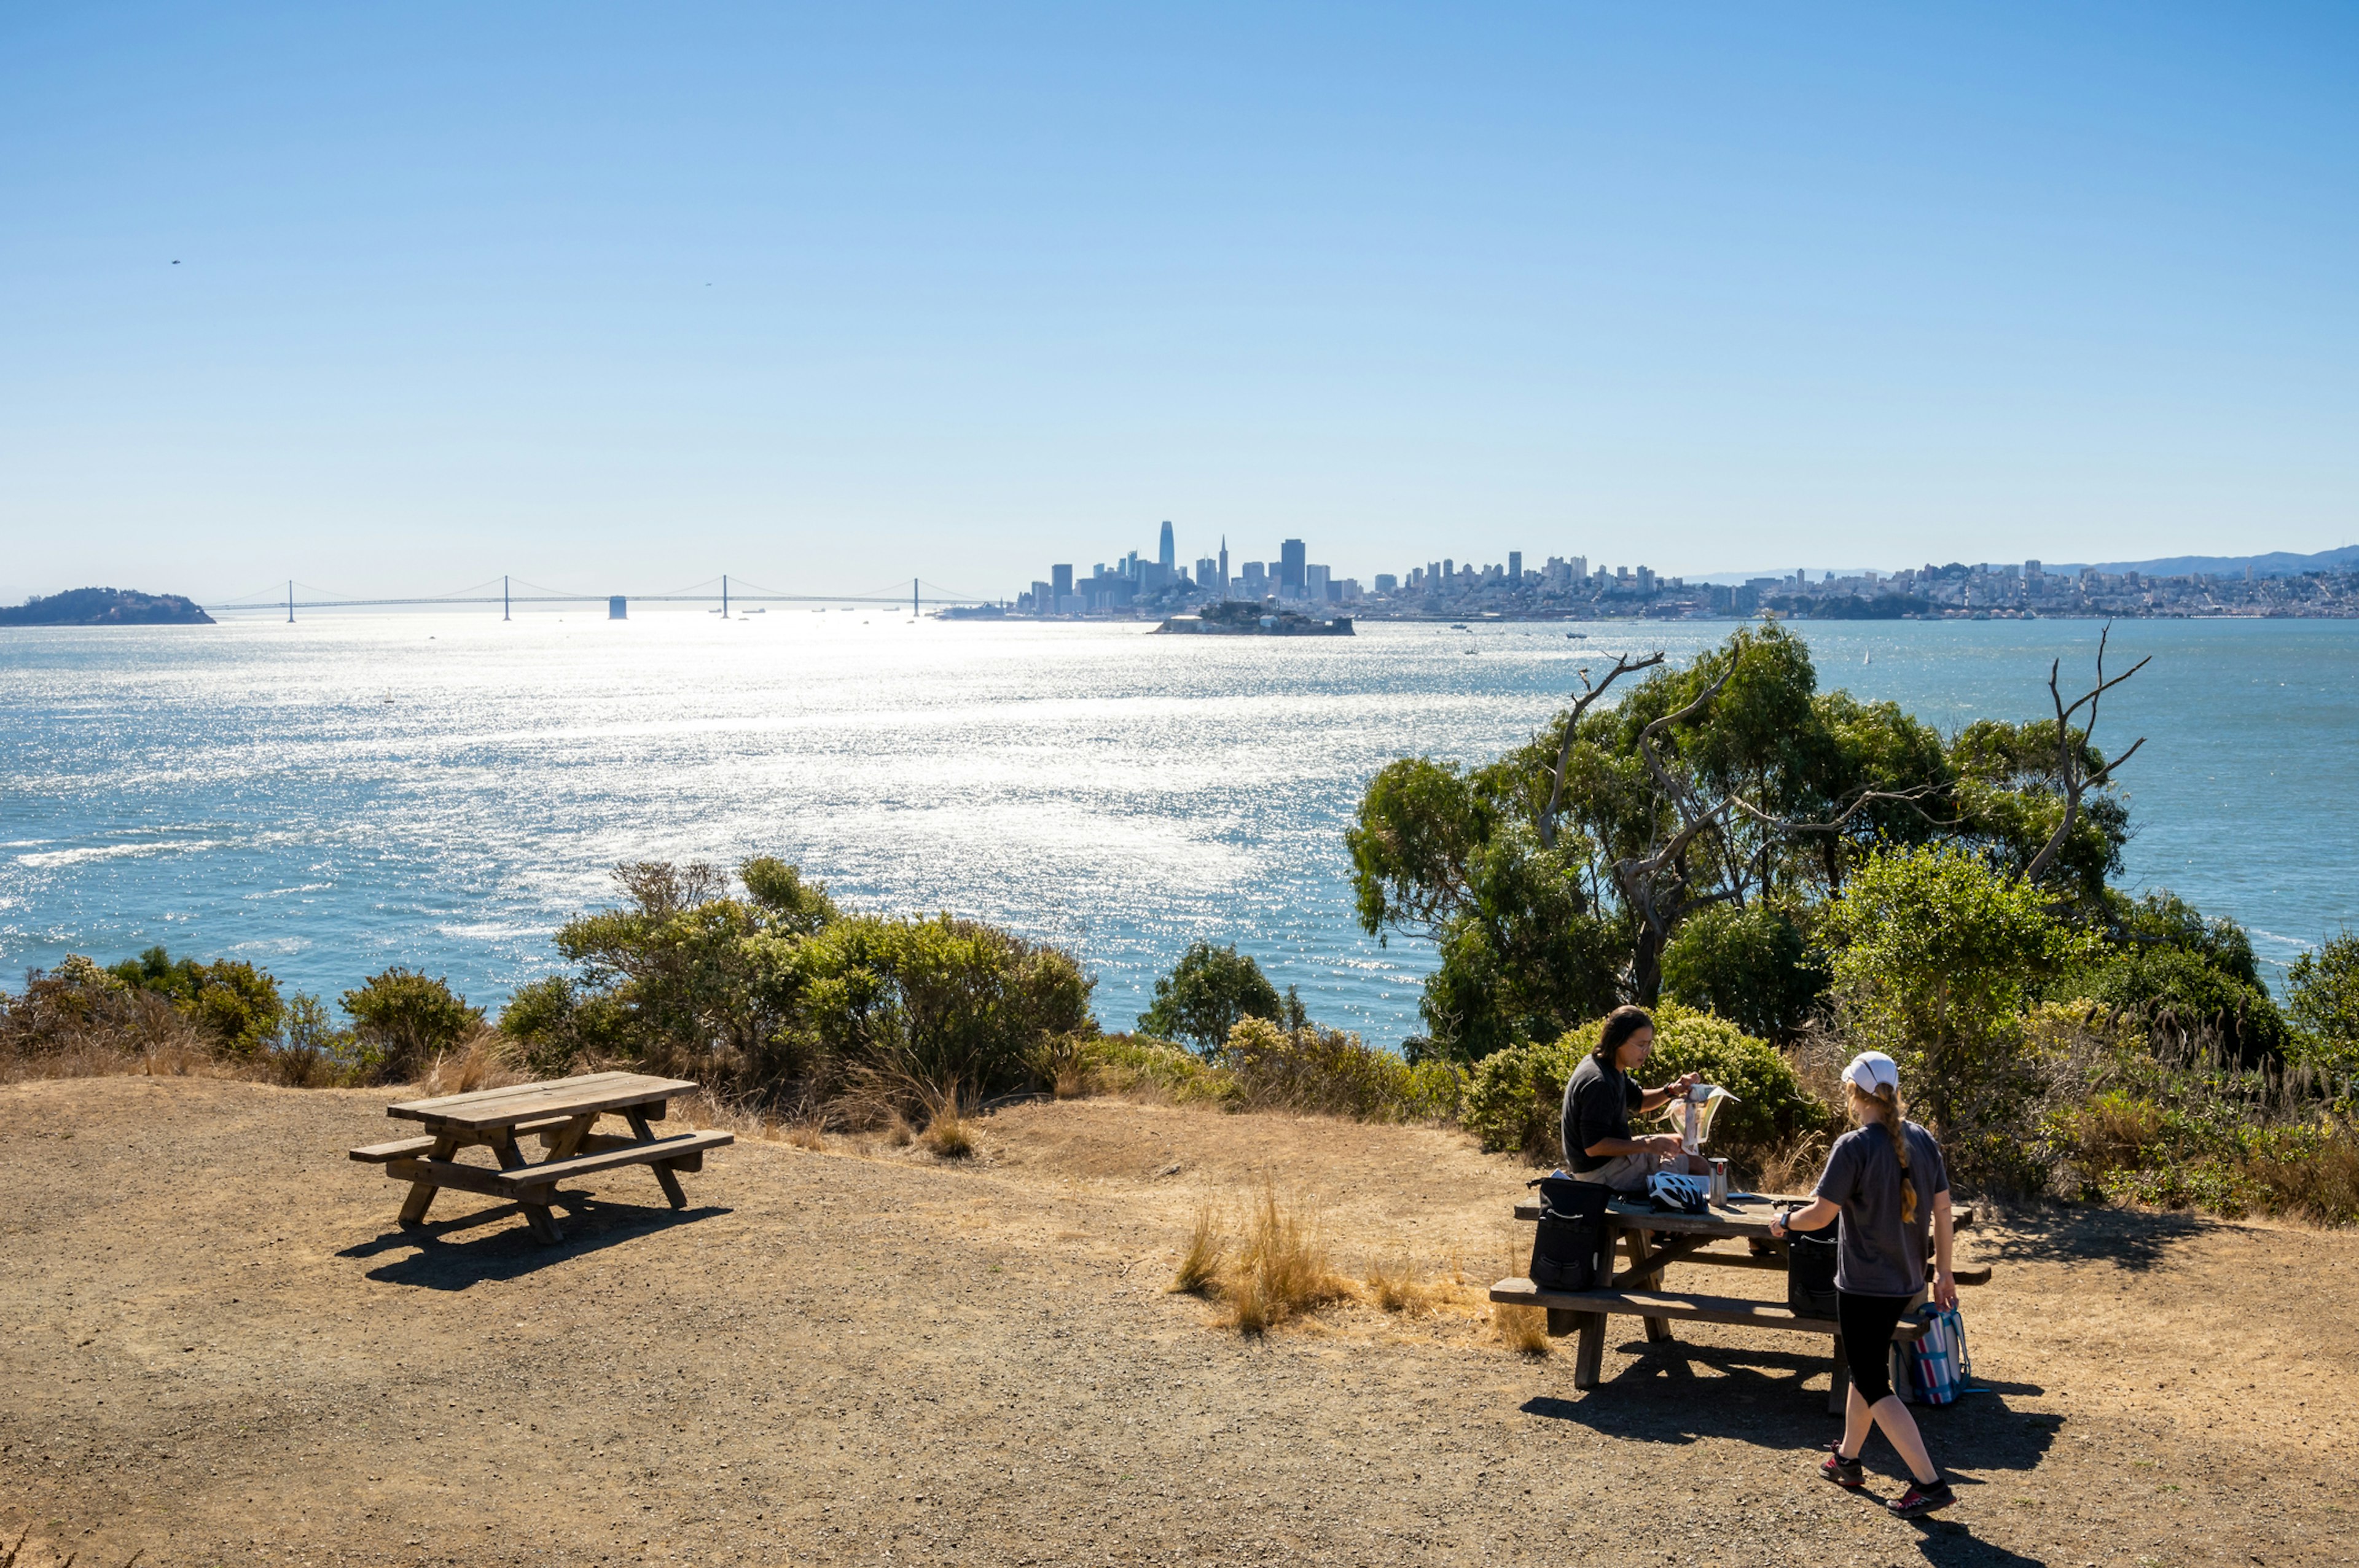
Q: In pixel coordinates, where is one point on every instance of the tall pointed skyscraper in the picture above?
(1165, 551)
(1224, 566)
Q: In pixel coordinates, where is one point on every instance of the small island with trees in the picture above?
(106, 606)
(1247, 618)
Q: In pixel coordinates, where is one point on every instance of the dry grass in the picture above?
(484, 1060)
(1522, 1329)
(949, 1135)
(1277, 1271)
(1282, 1269)
(1793, 1166)
(1199, 1273)
(1395, 1283)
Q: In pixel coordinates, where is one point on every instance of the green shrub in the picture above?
(1515, 1099)
(1751, 965)
(940, 1002)
(1207, 992)
(542, 1020)
(235, 1005)
(404, 1018)
(1330, 1072)
(2184, 1000)
(1130, 1063)
(2324, 1001)
(1937, 958)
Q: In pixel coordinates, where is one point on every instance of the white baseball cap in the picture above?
(1872, 1070)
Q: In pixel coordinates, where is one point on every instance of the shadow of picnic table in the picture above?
(1675, 1392)
(454, 1254)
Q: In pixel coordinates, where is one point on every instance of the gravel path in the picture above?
(215, 1347)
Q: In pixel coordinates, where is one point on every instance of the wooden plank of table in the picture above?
(421, 1193)
(665, 1177)
(1733, 1310)
(428, 1107)
(433, 1173)
(657, 1153)
(1588, 1355)
(564, 1096)
(1654, 1260)
(1753, 1219)
(398, 1149)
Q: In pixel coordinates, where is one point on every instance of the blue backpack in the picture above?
(1938, 1363)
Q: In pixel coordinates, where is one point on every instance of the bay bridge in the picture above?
(724, 592)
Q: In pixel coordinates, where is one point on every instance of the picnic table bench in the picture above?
(563, 1113)
(1652, 1241)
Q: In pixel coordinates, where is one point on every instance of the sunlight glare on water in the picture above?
(345, 792)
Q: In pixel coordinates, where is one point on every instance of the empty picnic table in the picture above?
(563, 1113)
(1651, 1241)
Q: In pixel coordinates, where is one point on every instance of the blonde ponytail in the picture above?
(1885, 1106)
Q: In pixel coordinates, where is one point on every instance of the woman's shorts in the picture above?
(1625, 1172)
(1867, 1324)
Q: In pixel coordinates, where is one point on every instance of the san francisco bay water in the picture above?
(332, 797)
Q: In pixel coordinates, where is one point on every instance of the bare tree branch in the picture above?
(2074, 783)
(1865, 798)
(1623, 665)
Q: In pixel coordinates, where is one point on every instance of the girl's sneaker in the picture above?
(1922, 1498)
(1844, 1473)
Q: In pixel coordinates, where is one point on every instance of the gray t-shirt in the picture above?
(1880, 1256)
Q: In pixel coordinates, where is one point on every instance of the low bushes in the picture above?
(2189, 1128)
(1515, 1099)
(1324, 1072)
(1331, 1073)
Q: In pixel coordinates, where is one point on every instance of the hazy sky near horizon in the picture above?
(397, 298)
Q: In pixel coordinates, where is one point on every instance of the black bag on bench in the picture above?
(1571, 1234)
(1810, 1271)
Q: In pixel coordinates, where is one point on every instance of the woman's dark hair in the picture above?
(1620, 1024)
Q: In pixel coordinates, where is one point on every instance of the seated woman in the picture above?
(1598, 1103)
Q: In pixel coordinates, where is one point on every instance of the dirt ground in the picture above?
(217, 1347)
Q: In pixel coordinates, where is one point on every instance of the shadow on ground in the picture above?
(442, 1256)
(2125, 1238)
(1678, 1393)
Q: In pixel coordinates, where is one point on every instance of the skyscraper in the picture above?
(1165, 551)
(1290, 559)
(1061, 579)
(1515, 568)
(1224, 566)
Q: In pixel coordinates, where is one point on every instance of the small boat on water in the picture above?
(1457, 626)
(1576, 636)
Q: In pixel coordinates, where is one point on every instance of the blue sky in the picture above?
(619, 298)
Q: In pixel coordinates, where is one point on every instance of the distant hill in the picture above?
(2277, 563)
(106, 606)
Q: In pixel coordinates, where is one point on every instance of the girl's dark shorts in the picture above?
(1867, 1324)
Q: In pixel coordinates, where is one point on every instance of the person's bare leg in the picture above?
(1857, 1421)
(1900, 1427)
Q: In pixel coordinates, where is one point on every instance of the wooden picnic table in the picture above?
(563, 1112)
(1651, 1241)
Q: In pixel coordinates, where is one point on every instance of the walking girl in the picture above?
(1887, 1182)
